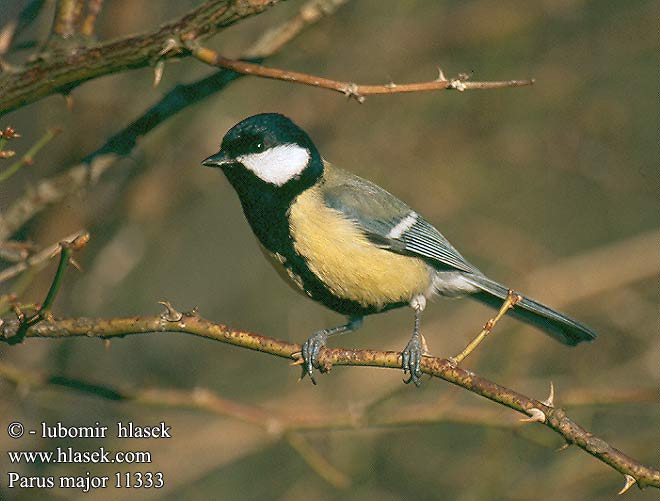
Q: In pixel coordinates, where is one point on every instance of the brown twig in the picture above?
(317, 462)
(43, 312)
(553, 417)
(350, 89)
(28, 158)
(66, 22)
(93, 10)
(39, 257)
(64, 70)
(511, 300)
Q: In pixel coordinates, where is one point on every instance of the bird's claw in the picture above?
(411, 359)
(310, 353)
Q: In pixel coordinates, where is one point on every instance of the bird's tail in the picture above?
(557, 325)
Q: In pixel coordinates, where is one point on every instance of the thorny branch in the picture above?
(37, 258)
(28, 158)
(62, 70)
(350, 89)
(543, 412)
(43, 312)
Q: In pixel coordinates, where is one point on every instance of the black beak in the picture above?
(220, 159)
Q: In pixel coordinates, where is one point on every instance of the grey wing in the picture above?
(390, 223)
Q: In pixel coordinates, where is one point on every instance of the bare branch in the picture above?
(28, 158)
(66, 22)
(43, 312)
(554, 417)
(16, 26)
(62, 71)
(37, 258)
(350, 89)
(317, 462)
(511, 300)
(93, 10)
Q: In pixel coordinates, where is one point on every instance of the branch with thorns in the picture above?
(172, 321)
(349, 89)
(62, 70)
(24, 322)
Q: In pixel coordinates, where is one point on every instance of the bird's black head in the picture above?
(268, 153)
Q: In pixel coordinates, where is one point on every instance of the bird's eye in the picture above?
(259, 147)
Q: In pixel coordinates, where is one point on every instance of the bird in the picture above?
(349, 244)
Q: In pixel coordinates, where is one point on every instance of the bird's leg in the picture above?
(312, 347)
(511, 299)
(411, 356)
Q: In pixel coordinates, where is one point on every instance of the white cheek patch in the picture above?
(277, 165)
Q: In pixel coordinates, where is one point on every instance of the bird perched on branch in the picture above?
(349, 244)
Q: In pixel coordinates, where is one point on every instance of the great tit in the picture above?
(349, 244)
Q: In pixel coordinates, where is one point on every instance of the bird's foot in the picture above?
(411, 359)
(310, 353)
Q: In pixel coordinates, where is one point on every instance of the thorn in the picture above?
(6, 36)
(535, 416)
(69, 101)
(158, 72)
(550, 401)
(300, 361)
(441, 76)
(170, 315)
(170, 45)
(75, 264)
(630, 481)
(563, 447)
(390, 85)
(351, 91)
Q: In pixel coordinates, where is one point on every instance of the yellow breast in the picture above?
(353, 268)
